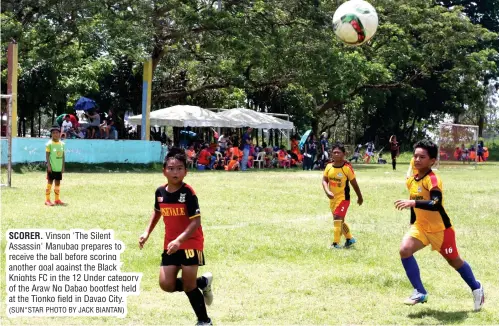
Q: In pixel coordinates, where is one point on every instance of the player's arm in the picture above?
(355, 186)
(325, 186)
(47, 158)
(63, 162)
(156, 215)
(434, 204)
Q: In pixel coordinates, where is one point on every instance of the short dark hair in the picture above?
(429, 146)
(176, 154)
(338, 145)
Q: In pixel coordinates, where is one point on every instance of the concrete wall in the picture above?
(29, 150)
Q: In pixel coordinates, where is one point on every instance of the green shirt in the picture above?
(59, 120)
(56, 150)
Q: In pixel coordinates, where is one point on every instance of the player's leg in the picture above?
(339, 209)
(189, 279)
(57, 188)
(48, 189)
(448, 249)
(413, 241)
(394, 160)
(168, 277)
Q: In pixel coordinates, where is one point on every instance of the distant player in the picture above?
(177, 203)
(336, 184)
(430, 225)
(54, 155)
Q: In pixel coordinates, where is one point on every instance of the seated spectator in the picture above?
(67, 130)
(205, 158)
(191, 154)
(108, 125)
(94, 123)
(283, 158)
(228, 154)
(233, 164)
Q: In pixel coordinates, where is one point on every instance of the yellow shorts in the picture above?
(443, 241)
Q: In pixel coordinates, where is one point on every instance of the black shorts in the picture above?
(394, 154)
(54, 176)
(186, 257)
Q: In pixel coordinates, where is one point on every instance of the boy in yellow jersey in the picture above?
(430, 225)
(336, 184)
(54, 154)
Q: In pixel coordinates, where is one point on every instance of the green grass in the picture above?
(266, 237)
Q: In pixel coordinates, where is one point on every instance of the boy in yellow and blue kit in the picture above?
(430, 224)
(336, 184)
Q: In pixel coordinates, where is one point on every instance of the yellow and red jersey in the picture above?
(339, 180)
(178, 209)
(419, 189)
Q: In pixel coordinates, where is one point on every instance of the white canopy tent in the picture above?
(184, 116)
(248, 118)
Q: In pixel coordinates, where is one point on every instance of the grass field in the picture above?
(266, 242)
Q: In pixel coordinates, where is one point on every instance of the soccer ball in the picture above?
(355, 22)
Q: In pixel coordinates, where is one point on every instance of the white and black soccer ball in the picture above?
(355, 22)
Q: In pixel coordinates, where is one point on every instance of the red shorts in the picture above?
(339, 208)
(449, 247)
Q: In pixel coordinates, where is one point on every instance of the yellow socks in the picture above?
(337, 230)
(47, 192)
(56, 192)
(346, 231)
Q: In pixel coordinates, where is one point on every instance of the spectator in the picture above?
(109, 125)
(356, 154)
(205, 158)
(246, 148)
(369, 151)
(191, 155)
(295, 149)
(395, 151)
(310, 148)
(283, 157)
(480, 152)
(222, 143)
(233, 164)
(94, 123)
(66, 127)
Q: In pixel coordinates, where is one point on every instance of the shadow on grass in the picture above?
(442, 316)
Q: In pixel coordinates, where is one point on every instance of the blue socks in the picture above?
(468, 277)
(412, 270)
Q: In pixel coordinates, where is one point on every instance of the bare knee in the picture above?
(167, 286)
(457, 262)
(405, 251)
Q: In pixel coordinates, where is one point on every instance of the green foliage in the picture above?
(426, 60)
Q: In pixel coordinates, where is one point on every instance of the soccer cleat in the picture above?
(415, 298)
(49, 203)
(350, 242)
(204, 323)
(207, 293)
(478, 297)
(335, 246)
(59, 202)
